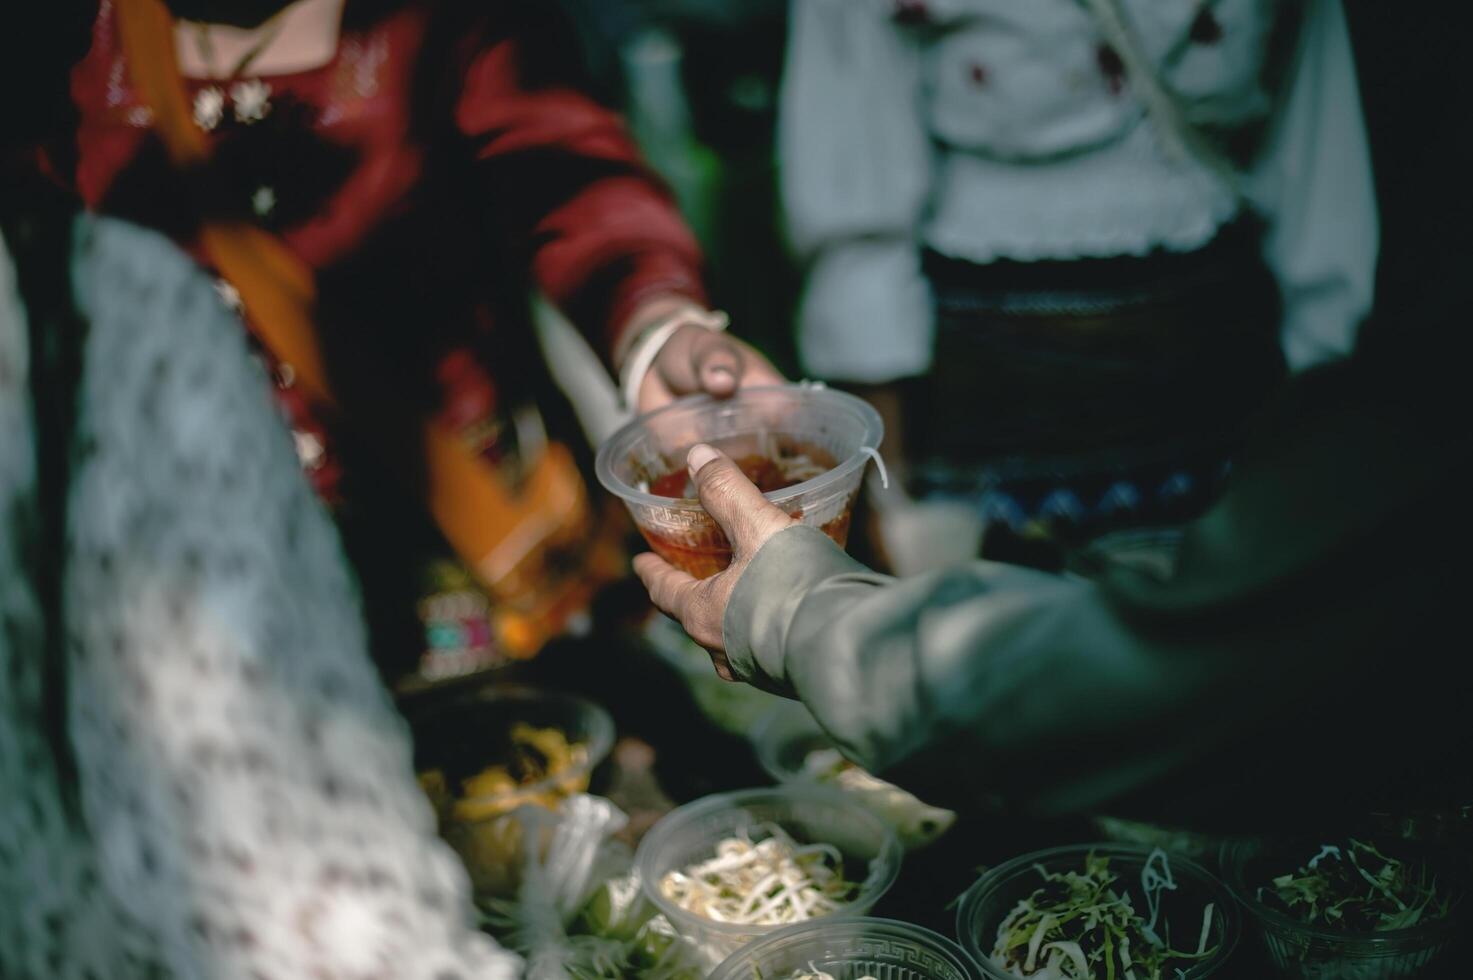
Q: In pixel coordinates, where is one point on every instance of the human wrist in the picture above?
(649, 334)
(648, 315)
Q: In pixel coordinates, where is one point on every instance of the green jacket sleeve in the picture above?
(1068, 693)
(1015, 673)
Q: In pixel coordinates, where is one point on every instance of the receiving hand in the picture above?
(695, 359)
(748, 519)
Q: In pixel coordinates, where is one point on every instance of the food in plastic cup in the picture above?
(805, 445)
(1313, 952)
(482, 755)
(690, 835)
(997, 893)
(844, 948)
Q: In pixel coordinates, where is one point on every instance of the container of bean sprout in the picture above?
(846, 948)
(805, 446)
(1354, 909)
(733, 867)
(1089, 912)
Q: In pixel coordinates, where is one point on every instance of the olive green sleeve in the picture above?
(1015, 672)
(1062, 695)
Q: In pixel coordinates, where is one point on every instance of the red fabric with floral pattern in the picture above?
(441, 164)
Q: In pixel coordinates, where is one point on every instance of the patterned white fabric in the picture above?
(998, 129)
(248, 806)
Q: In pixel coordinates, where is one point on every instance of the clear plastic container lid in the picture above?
(848, 948)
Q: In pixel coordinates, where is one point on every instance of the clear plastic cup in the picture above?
(810, 814)
(988, 902)
(787, 735)
(832, 430)
(846, 948)
(1306, 952)
(783, 739)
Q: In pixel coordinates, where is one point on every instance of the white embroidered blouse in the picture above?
(988, 129)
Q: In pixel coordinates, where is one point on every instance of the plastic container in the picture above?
(988, 902)
(1198, 847)
(689, 835)
(846, 948)
(786, 735)
(1308, 952)
(462, 736)
(831, 428)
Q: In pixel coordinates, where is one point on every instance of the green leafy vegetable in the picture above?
(1078, 926)
(1357, 889)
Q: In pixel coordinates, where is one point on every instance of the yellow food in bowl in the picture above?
(543, 770)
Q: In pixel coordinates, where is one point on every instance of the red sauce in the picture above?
(704, 552)
(768, 474)
(704, 558)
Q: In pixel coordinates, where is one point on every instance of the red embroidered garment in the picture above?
(440, 165)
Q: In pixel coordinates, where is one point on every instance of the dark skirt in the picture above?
(1071, 399)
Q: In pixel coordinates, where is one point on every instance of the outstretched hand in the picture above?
(749, 520)
(698, 360)
(695, 360)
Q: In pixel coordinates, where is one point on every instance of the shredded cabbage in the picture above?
(1079, 927)
(1358, 889)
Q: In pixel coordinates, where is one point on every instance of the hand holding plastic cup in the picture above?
(805, 446)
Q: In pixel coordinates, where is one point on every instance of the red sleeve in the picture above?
(566, 182)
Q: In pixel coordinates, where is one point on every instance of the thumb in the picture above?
(734, 501)
(718, 365)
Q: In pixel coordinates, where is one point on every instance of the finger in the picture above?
(676, 362)
(747, 517)
(717, 364)
(757, 369)
(670, 589)
(653, 393)
(722, 665)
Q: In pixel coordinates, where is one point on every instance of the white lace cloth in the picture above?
(248, 804)
(1003, 129)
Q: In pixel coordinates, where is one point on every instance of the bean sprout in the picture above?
(766, 882)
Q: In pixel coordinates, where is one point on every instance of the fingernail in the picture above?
(700, 454)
